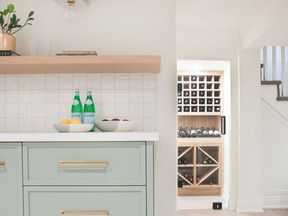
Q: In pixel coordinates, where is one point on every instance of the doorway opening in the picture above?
(204, 110)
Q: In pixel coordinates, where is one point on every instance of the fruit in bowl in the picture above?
(72, 125)
(72, 121)
(116, 125)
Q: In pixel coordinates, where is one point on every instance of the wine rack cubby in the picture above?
(199, 94)
(199, 169)
(200, 129)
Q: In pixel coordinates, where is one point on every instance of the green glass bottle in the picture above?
(89, 110)
(76, 109)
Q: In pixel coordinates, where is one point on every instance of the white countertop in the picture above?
(90, 136)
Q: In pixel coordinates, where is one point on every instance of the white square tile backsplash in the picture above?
(34, 102)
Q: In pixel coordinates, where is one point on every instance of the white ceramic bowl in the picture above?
(73, 128)
(116, 126)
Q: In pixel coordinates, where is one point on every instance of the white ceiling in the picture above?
(243, 16)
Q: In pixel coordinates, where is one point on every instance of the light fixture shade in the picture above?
(77, 4)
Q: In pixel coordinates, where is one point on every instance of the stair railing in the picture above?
(273, 66)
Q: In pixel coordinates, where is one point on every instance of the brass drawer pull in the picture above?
(2, 164)
(84, 213)
(96, 164)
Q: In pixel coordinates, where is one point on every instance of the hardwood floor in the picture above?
(267, 212)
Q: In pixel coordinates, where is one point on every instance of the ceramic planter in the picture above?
(7, 42)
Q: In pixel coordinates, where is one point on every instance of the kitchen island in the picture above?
(77, 173)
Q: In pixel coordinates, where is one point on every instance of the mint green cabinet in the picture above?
(11, 203)
(88, 178)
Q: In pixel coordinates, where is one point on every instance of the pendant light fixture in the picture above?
(70, 7)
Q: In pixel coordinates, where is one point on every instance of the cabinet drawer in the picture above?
(116, 201)
(101, 163)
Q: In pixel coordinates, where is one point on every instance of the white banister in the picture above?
(274, 68)
(265, 61)
(283, 67)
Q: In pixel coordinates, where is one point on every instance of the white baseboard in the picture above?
(275, 199)
(249, 205)
(200, 202)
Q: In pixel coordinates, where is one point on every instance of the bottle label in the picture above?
(88, 102)
(77, 115)
(88, 118)
(75, 102)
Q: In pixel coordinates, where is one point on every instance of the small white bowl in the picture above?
(73, 128)
(116, 126)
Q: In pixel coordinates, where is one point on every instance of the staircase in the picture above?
(273, 69)
(277, 83)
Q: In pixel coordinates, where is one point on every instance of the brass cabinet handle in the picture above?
(96, 164)
(84, 213)
(2, 164)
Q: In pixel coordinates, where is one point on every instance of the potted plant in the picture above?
(10, 24)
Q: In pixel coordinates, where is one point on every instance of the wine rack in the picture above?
(199, 94)
(200, 107)
(199, 169)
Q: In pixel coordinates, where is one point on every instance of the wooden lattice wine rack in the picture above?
(200, 106)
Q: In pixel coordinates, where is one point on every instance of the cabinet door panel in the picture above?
(117, 201)
(106, 163)
(10, 179)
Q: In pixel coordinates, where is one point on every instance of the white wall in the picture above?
(118, 27)
(250, 156)
(274, 149)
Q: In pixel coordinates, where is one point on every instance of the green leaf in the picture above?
(10, 8)
(5, 12)
(31, 13)
(1, 20)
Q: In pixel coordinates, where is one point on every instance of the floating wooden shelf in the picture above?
(80, 64)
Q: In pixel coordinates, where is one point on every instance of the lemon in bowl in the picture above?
(64, 121)
(75, 121)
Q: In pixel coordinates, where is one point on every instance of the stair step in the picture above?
(282, 98)
(271, 82)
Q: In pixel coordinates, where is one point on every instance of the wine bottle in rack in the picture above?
(197, 179)
(199, 132)
(193, 133)
(182, 161)
(188, 132)
(210, 132)
(205, 132)
(213, 180)
(193, 86)
(180, 183)
(201, 101)
(217, 133)
(209, 109)
(216, 101)
(201, 86)
(179, 87)
(181, 133)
